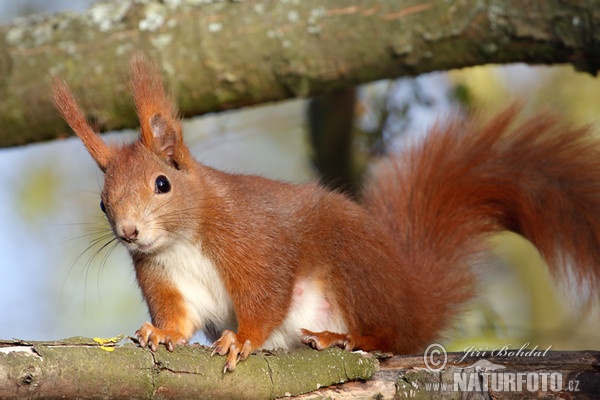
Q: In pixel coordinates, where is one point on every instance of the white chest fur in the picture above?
(209, 303)
(200, 284)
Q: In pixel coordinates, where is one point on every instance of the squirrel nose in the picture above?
(128, 232)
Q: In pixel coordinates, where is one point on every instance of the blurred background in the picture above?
(58, 281)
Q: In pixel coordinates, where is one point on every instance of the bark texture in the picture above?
(221, 54)
(504, 375)
(116, 368)
(93, 369)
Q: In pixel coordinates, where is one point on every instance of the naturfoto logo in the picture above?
(484, 376)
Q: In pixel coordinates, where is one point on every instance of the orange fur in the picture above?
(150, 101)
(539, 178)
(65, 102)
(150, 97)
(395, 266)
(167, 307)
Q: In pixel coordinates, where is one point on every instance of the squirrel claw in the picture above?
(228, 344)
(324, 340)
(150, 336)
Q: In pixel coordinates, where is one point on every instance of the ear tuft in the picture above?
(159, 123)
(70, 112)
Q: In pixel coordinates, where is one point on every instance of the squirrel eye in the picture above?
(102, 207)
(162, 184)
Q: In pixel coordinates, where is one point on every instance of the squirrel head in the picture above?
(147, 183)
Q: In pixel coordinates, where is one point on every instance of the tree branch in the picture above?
(555, 375)
(230, 54)
(86, 368)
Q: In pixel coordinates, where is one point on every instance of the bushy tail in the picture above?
(539, 178)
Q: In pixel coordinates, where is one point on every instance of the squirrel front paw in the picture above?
(150, 336)
(229, 344)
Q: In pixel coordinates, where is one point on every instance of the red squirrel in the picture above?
(261, 264)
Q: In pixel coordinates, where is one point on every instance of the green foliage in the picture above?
(37, 195)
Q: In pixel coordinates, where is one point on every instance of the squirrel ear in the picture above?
(165, 139)
(160, 125)
(70, 112)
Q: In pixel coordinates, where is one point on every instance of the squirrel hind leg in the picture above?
(325, 340)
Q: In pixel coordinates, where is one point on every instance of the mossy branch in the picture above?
(116, 368)
(221, 54)
(86, 369)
